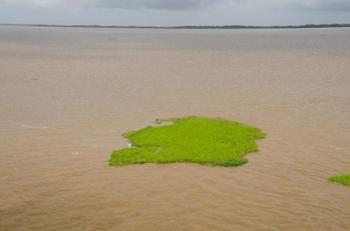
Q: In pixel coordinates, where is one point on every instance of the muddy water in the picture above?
(66, 95)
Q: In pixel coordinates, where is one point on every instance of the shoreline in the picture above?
(188, 27)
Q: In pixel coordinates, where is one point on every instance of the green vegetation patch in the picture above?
(342, 179)
(192, 139)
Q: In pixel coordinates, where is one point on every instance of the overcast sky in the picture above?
(175, 12)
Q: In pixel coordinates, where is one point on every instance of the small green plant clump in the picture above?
(205, 141)
(341, 179)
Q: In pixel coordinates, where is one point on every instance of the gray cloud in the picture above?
(175, 12)
(157, 4)
(315, 5)
(172, 5)
(324, 5)
(179, 5)
(333, 5)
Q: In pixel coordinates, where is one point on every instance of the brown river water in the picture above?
(67, 95)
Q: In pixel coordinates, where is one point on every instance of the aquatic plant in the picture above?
(199, 140)
(341, 179)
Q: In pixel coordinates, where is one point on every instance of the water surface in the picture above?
(67, 95)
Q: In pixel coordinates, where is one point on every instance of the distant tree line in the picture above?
(264, 27)
(191, 27)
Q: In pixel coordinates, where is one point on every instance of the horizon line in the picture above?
(298, 26)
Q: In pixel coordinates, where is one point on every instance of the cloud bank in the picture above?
(122, 4)
(176, 5)
(331, 5)
(156, 4)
